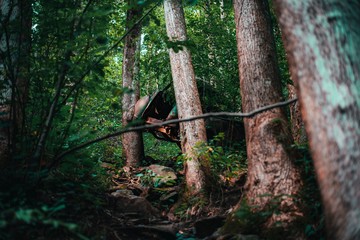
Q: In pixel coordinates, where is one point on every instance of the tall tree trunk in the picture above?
(15, 39)
(322, 41)
(133, 148)
(187, 97)
(271, 171)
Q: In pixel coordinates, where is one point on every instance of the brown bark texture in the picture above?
(187, 96)
(322, 39)
(297, 124)
(271, 171)
(133, 148)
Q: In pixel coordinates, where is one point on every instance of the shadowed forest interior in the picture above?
(179, 119)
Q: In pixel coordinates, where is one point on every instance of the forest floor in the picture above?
(143, 204)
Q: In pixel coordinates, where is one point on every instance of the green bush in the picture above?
(61, 204)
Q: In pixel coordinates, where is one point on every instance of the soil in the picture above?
(139, 208)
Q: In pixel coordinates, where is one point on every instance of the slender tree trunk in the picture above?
(187, 97)
(322, 41)
(133, 148)
(23, 67)
(60, 82)
(271, 171)
(222, 11)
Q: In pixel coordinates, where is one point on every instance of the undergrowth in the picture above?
(248, 219)
(62, 204)
(222, 165)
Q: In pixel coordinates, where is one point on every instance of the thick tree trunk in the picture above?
(187, 97)
(15, 38)
(322, 39)
(8, 42)
(133, 148)
(271, 171)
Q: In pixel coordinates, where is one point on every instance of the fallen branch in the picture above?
(156, 125)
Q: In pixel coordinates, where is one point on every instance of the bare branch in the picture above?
(106, 53)
(152, 126)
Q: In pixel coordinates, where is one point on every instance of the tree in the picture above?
(15, 41)
(212, 35)
(321, 41)
(297, 124)
(70, 37)
(133, 148)
(272, 174)
(187, 96)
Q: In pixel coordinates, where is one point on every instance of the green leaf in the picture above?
(26, 215)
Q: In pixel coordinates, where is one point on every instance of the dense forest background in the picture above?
(61, 72)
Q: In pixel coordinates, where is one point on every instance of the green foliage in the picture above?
(146, 178)
(211, 40)
(22, 221)
(190, 206)
(214, 55)
(154, 61)
(158, 149)
(251, 219)
(80, 181)
(68, 38)
(227, 163)
(52, 206)
(191, 2)
(246, 219)
(149, 179)
(281, 53)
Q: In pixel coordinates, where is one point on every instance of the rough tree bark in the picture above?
(133, 148)
(15, 39)
(271, 171)
(187, 97)
(297, 124)
(322, 41)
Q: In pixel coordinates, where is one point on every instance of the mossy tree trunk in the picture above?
(133, 146)
(322, 39)
(187, 97)
(297, 124)
(272, 174)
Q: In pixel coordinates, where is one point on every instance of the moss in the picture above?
(186, 202)
(280, 129)
(245, 220)
(249, 220)
(233, 225)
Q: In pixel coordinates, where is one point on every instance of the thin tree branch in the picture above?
(52, 111)
(156, 125)
(92, 66)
